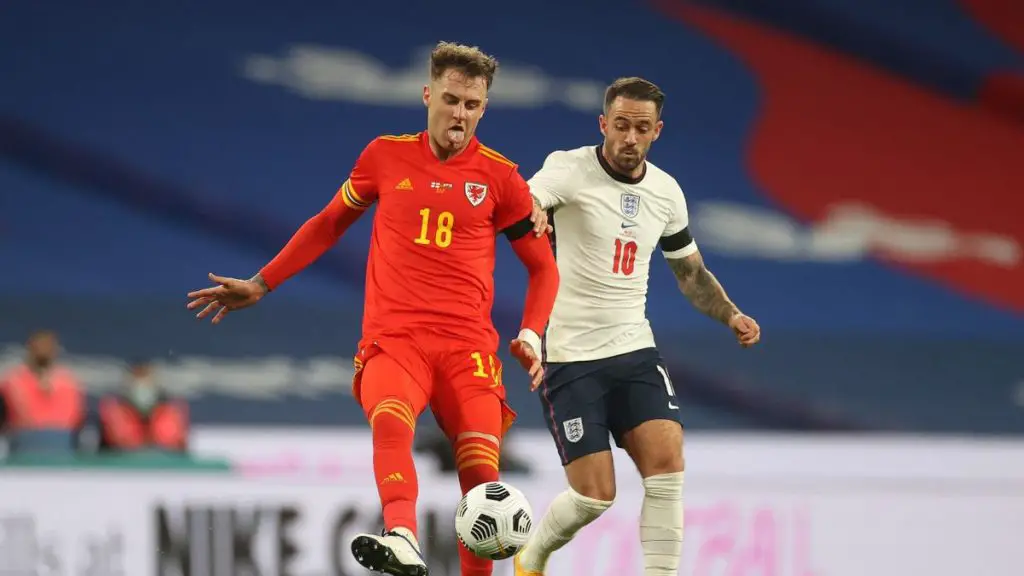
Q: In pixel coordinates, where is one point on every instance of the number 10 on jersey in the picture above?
(625, 257)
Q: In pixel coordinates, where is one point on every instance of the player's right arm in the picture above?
(549, 187)
(323, 231)
(315, 237)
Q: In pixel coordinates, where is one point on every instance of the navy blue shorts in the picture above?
(585, 402)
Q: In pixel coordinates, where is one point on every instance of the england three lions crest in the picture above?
(476, 193)
(573, 429)
(630, 204)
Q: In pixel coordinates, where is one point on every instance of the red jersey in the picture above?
(431, 260)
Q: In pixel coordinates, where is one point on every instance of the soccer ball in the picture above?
(493, 520)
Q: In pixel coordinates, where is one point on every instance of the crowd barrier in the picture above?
(755, 506)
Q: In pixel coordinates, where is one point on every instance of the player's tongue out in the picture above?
(456, 135)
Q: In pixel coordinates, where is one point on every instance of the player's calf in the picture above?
(657, 449)
(392, 422)
(396, 551)
(392, 402)
(477, 461)
(477, 457)
(591, 492)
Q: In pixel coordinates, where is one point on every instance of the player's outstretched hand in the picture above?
(228, 294)
(747, 331)
(528, 359)
(539, 217)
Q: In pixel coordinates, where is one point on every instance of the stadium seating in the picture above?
(852, 169)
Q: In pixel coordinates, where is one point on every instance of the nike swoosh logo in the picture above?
(672, 406)
(625, 225)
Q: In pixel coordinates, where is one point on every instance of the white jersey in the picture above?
(606, 229)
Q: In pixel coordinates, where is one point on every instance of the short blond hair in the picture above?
(469, 60)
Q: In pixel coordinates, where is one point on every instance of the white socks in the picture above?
(569, 512)
(661, 524)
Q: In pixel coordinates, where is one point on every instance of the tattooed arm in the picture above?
(697, 283)
(701, 287)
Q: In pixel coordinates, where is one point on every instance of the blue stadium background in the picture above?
(143, 145)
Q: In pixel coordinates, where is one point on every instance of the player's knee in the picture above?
(392, 416)
(656, 447)
(596, 489)
(663, 462)
(468, 436)
(593, 476)
(589, 508)
(668, 458)
(477, 457)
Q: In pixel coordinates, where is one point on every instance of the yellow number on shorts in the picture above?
(443, 234)
(481, 371)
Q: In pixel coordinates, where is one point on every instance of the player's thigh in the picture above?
(468, 395)
(656, 447)
(390, 373)
(646, 420)
(573, 398)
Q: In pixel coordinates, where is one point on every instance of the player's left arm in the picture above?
(701, 287)
(512, 218)
(697, 283)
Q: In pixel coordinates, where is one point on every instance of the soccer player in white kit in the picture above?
(603, 375)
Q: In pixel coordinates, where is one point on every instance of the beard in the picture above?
(628, 162)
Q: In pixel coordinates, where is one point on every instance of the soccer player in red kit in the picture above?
(428, 340)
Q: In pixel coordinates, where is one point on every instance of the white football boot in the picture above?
(395, 552)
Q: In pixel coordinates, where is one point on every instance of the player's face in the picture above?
(629, 128)
(455, 103)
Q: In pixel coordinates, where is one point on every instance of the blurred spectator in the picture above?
(42, 405)
(142, 416)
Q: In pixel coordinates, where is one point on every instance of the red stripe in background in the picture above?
(832, 129)
(1002, 92)
(1005, 18)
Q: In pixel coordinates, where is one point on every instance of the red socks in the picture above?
(477, 462)
(393, 423)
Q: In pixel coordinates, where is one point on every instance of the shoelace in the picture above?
(409, 542)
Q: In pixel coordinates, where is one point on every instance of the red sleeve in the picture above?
(514, 202)
(535, 253)
(512, 216)
(361, 187)
(322, 231)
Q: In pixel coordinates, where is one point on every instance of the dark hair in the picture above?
(469, 60)
(635, 88)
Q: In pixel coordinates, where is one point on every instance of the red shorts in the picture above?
(451, 375)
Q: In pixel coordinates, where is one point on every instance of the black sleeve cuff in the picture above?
(676, 241)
